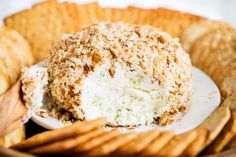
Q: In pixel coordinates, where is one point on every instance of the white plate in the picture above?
(206, 98)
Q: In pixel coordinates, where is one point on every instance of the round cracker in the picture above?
(215, 53)
(4, 79)
(18, 45)
(190, 36)
(4, 83)
(10, 63)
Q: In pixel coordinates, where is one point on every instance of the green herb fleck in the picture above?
(102, 74)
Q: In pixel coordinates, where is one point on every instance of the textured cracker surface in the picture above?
(45, 22)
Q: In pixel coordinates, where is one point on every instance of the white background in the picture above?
(215, 9)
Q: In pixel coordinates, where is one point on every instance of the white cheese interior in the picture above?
(34, 80)
(129, 98)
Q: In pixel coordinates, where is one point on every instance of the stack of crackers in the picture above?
(15, 52)
(212, 47)
(90, 139)
(211, 44)
(44, 23)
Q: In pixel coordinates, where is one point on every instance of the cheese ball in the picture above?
(132, 75)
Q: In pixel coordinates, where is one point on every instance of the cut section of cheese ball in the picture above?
(124, 95)
(132, 75)
(34, 81)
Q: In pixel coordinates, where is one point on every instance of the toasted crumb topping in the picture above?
(42, 113)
